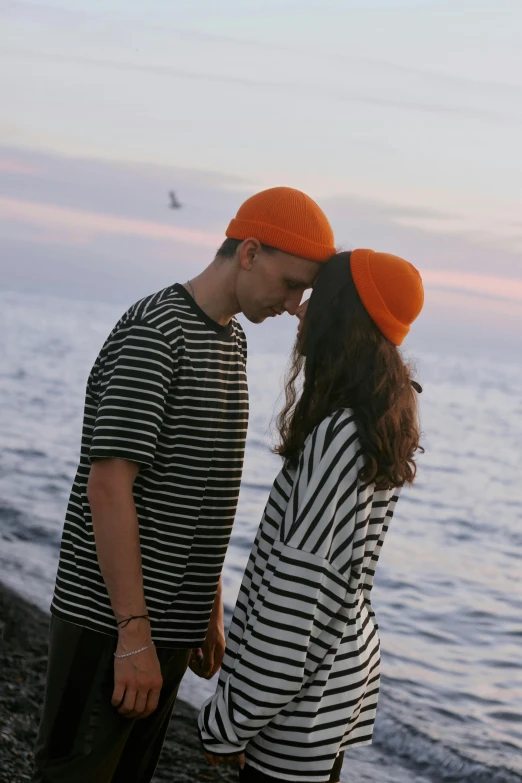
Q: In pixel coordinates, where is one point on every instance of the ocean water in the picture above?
(448, 591)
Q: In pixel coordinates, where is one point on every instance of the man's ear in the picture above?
(247, 253)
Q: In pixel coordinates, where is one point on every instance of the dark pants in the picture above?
(251, 775)
(82, 738)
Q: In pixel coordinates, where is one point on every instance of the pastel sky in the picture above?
(403, 120)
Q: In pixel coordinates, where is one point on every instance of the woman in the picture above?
(300, 677)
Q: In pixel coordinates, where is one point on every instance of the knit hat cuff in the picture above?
(388, 324)
(295, 245)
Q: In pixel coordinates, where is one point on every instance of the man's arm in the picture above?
(137, 679)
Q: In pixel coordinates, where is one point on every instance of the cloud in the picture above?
(62, 224)
(50, 14)
(307, 90)
(112, 216)
(434, 77)
(131, 190)
(427, 238)
(449, 238)
(489, 286)
(53, 13)
(13, 166)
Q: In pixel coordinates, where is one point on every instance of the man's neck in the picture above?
(214, 291)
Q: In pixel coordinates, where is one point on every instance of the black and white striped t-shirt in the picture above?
(300, 677)
(168, 391)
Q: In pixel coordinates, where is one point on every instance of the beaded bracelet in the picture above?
(135, 652)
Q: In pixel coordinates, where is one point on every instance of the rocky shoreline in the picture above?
(23, 663)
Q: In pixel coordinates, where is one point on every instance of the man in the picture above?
(152, 505)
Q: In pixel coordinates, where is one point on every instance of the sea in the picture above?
(448, 590)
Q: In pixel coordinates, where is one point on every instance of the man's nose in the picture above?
(292, 303)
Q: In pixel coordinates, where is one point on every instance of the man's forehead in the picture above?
(307, 280)
(301, 270)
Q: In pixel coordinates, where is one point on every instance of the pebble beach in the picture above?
(23, 662)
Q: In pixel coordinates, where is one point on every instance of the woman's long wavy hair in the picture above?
(349, 363)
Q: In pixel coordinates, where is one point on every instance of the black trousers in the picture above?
(251, 775)
(82, 738)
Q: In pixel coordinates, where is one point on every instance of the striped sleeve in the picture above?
(381, 499)
(133, 386)
(290, 629)
(320, 516)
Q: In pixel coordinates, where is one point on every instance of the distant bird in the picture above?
(174, 203)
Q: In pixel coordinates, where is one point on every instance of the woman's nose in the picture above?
(300, 311)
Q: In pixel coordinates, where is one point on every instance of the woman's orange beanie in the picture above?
(390, 289)
(286, 219)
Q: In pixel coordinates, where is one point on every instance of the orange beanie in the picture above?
(390, 289)
(286, 219)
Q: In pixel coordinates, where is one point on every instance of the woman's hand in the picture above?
(206, 661)
(215, 761)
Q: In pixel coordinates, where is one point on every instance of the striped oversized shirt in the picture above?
(300, 677)
(169, 392)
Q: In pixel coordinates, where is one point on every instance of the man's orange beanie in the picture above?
(286, 219)
(390, 289)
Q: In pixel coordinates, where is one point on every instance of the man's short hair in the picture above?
(229, 247)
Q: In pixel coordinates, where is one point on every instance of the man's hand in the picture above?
(207, 661)
(215, 761)
(137, 679)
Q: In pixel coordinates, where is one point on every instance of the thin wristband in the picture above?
(124, 623)
(135, 652)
